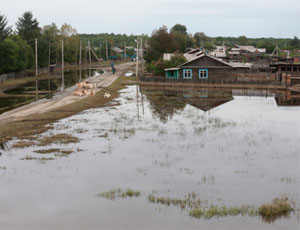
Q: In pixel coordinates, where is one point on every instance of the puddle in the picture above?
(228, 149)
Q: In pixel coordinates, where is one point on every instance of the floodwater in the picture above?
(46, 88)
(227, 148)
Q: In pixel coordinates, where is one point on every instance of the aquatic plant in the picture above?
(278, 208)
(119, 193)
(61, 138)
(23, 144)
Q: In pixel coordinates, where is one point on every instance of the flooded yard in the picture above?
(45, 88)
(158, 159)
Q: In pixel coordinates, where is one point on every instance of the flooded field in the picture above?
(159, 159)
(35, 90)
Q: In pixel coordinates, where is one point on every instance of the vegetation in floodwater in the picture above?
(280, 207)
(23, 144)
(61, 138)
(37, 158)
(119, 193)
(2, 168)
(46, 151)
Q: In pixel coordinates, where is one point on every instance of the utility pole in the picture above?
(137, 57)
(142, 55)
(36, 58)
(90, 57)
(125, 51)
(100, 50)
(49, 62)
(80, 46)
(62, 65)
(106, 51)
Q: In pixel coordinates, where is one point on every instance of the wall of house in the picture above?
(213, 74)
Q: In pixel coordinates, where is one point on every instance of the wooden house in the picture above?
(206, 68)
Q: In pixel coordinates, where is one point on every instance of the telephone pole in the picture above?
(125, 51)
(49, 62)
(142, 55)
(80, 46)
(36, 58)
(137, 57)
(90, 57)
(62, 65)
(106, 51)
(100, 50)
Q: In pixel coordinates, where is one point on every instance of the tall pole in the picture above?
(100, 50)
(36, 58)
(80, 47)
(62, 66)
(142, 55)
(62, 55)
(137, 58)
(125, 51)
(106, 51)
(49, 57)
(90, 57)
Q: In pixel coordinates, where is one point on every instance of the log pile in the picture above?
(84, 89)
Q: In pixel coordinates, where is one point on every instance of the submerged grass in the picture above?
(23, 144)
(119, 193)
(61, 138)
(279, 207)
(48, 151)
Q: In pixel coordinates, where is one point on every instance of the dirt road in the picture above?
(62, 98)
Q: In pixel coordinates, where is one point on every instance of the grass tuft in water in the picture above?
(279, 207)
(119, 193)
(23, 144)
(61, 138)
(46, 151)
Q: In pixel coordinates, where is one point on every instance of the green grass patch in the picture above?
(119, 193)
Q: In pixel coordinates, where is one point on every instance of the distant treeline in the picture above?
(17, 48)
(177, 39)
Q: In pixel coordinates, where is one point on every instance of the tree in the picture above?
(180, 41)
(28, 28)
(67, 30)
(4, 29)
(243, 40)
(179, 28)
(24, 54)
(160, 42)
(295, 43)
(200, 38)
(8, 56)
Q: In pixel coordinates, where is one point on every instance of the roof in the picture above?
(203, 55)
(170, 69)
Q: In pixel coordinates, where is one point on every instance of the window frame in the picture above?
(187, 70)
(203, 71)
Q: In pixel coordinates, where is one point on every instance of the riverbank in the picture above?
(35, 118)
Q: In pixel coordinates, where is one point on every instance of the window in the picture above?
(187, 73)
(203, 73)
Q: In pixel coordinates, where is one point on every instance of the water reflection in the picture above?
(45, 88)
(167, 101)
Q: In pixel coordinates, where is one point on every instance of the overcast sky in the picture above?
(252, 18)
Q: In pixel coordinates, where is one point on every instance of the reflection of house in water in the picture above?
(206, 99)
(288, 98)
(167, 101)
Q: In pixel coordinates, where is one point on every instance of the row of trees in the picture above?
(177, 39)
(17, 47)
